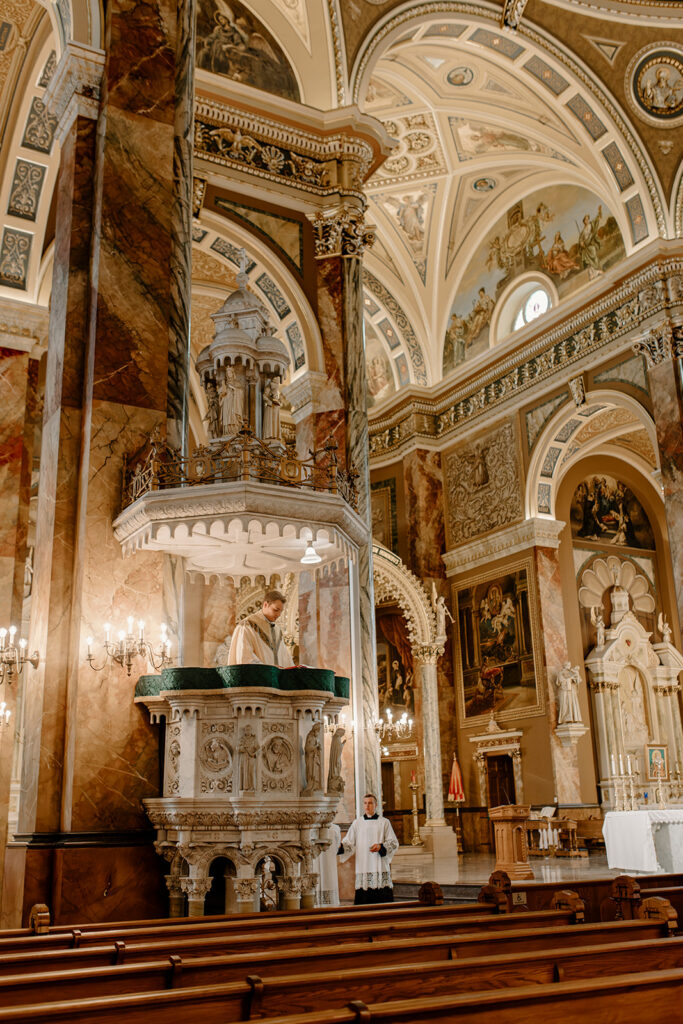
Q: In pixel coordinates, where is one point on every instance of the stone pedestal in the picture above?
(510, 839)
(243, 778)
(442, 843)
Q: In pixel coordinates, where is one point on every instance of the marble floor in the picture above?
(475, 868)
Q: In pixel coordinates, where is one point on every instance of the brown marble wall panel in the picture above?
(331, 420)
(112, 747)
(554, 640)
(667, 398)
(15, 401)
(140, 70)
(423, 485)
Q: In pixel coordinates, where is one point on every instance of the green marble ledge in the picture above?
(228, 676)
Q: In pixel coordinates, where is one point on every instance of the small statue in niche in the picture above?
(313, 760)
(440, 611)
(599, 623)
(335, 782)
(248, 749)
(664, 628)
(232, 402)
(271, 409)
(213, 413)
(567, 683)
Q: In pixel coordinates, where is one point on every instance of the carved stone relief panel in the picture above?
(216, 757)
(172, 756)
(279, 757)
(483, 485)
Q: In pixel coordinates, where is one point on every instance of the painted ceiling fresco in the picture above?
(563, 232)
(231, 41)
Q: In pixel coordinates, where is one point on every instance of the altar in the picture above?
(647, 840)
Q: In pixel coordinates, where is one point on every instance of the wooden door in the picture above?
(500, 780)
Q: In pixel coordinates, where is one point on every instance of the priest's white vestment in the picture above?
(328, 881)
(257, 641)
(373, 876)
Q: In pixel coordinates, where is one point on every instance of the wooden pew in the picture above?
(266, 923)
(302, 985)
(154, 957)
(597, 893)
(234, 936)
(627, 998)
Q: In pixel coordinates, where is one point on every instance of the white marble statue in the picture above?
(213, 413)
(599, 623)
(664, 628)
(335, 782)
(313, 749)
(567, 683)
(248, 750)
(271, 409)
(232, 402)
(440, 611)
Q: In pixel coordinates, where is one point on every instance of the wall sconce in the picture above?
(127, 647)
(13, 658)
(388, 730)
(331, 724)
(4, 714)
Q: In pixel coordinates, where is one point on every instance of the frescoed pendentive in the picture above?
(603, 509)
(232, 42)
(496, 647)
(563, 232)
(380, 376)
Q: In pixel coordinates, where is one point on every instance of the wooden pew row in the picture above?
(63, 938)
(597, 893)
(234, 937)
(148, 961)
(302, 986)
(652, 996)
(614, 999)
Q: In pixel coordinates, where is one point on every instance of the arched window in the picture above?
(532, 306)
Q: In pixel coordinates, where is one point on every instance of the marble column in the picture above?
(340, 239)
(662, 348)
(426, 657)
(554, 640)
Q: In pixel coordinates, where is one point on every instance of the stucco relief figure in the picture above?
(213, 413)
(271, 408)
(662, 89)
(313, 748)
(248, 749)
(232, 402)
(664, 628)
(567, 683)
(335, 782)
(440, 611)
(599, 623)
(277, 756)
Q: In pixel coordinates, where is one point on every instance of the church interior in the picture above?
(376, 307)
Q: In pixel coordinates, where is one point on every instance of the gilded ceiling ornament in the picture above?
(654, 84)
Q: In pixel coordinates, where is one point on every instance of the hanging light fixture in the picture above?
(127, 647)
(311, 556)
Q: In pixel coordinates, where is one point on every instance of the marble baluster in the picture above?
(662, 348)
(554, 640)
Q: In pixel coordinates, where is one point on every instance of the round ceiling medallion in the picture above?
(654, 85)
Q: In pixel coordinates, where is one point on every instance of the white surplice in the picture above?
(328, 881)
(372, 870)
(254, 642)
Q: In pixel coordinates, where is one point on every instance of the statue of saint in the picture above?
(335, 782)
(567, 683)
(271, 409)
(248, 749)
(599, 623)
(440, 611)
(313, 760)
(213, 413)
(232, 402)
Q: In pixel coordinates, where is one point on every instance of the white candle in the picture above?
(141, 627)
(628, 764)
(107, 631)
(89, 643)
(614, 766)
(130, 624)
(621, 765)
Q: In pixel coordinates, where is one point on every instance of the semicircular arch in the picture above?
(394, 581)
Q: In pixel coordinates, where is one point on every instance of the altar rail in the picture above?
(243, 457)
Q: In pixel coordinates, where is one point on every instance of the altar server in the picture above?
(372, 839)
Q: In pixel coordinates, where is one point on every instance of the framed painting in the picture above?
(657, 755)
(497, 660)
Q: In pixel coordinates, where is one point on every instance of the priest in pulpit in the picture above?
(257, 639)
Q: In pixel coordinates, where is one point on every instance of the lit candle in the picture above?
(3, 634)
(89, 643)
(628, 764)
(141, 627)
(130, 623)
(614, 766)
(121, 636)
(107, 631)
(413, 776)
(12, 631)
(22, 644)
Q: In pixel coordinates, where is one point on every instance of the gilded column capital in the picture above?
(428, 654)
(341, 231)
(75, 87)
(660, 344)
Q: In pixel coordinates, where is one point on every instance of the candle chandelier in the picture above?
(389, 729)
(13, 657)
(127, 647)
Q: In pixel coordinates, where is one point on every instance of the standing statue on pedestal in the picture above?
(313, 749)
(232, 402)
(567, 683)
(664, 628)
(271, 409)
(213, 414)
(599, 623)
(440, 611)
(335, 782)
(248, 749)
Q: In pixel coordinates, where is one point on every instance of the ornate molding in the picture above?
(660, 344)
(74, 90)
(544, 533)
(578, 390)
(649, 292)
(304, 393)
(24, 326)
(428, 654)
(246, 888)
(512, 13)
(394, 581)
(341, 231)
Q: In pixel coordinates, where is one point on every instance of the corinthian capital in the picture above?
(75, 87)
(341, 231)
(659, 345)
(428, 654)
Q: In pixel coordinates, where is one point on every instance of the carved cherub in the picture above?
(664, 628)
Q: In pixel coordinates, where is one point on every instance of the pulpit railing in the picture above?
(159, 466)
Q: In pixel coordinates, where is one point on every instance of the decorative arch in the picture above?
(393, 580)
(560, 445)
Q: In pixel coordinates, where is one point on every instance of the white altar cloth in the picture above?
(648, 840)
